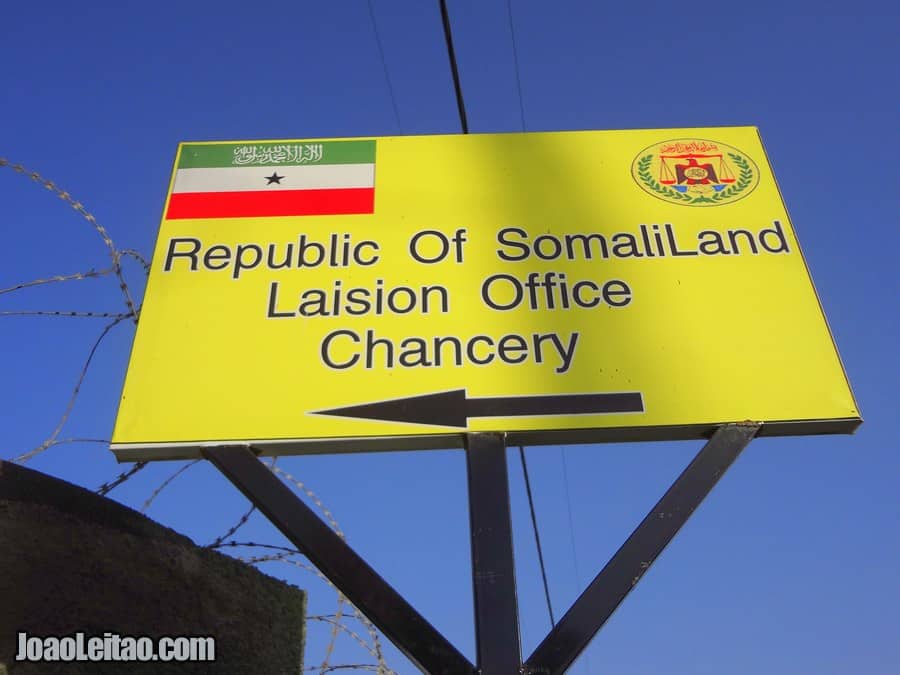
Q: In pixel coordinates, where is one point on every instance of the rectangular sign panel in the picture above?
(390, 293)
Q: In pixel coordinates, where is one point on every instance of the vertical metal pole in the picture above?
(493, 567)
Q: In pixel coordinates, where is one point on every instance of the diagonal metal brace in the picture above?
(386, 608)
(601, 598)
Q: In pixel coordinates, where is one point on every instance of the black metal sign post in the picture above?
(493, 572)
(493, 565)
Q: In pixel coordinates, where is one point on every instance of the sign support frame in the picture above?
(497, 637)
(620, 575)
(352, 576)
(493, 564)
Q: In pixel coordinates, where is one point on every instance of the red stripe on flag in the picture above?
(271, 203)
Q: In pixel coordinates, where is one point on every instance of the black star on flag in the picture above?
(274, 178)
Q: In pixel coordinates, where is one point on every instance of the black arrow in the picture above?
(453, 408)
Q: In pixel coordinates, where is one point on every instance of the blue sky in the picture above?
(791, 564)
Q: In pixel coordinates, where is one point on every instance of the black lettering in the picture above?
(333, 251)
(312, 303)
(626, 246)
(646, 237)
(581, 302)
(214, 254)
(414, 347)
(358, 297)
(414, 246)
(470, 350)
(303, 246)
(486, 291)
(358, 254)
(379, 297)
(711, 243)
(459, 239)
(563, 290)
(326, 344)
(657, 237)
(239, 263)
(733, 238)
(532, 286)
(614, 289)
(585, 241)
(394, 307)
(673, 244)
(172, 254)
(777, 232)
(504, 346)
(501, 238)
(372, 342)
(556, 249)
(439, 343)
(273, 302)
(288, 254)
(336, 298)
(440, 290)
(565, 353)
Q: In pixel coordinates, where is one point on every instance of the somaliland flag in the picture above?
(243, 180)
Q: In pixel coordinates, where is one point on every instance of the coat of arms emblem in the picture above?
(695, 172)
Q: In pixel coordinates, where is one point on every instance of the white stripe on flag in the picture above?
(247, 178)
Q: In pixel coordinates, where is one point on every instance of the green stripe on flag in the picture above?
(194, 156)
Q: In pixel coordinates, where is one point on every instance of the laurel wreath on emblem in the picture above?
(745, 178)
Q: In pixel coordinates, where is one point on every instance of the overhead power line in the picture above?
(448, 38)
(387, 77)
(461, 107)
(512, 34)
(537, 537)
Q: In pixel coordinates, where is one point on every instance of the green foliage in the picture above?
(745, 178)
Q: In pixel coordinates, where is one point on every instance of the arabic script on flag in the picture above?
(306, 153)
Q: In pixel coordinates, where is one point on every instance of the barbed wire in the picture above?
(283, 554)
(336, 621)
(65, 441)
(162, 486)
(24, 457)
(332, 521)
(114, 253)
(131, 253)
(121, 478)
(65, 314)
(78, 276)
(283, 557)
(117, 318)
(329, 517)
(350, 666)
(234, 528)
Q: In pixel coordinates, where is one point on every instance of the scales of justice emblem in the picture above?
(695, 172)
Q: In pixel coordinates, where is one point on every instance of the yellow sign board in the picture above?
(389, 293)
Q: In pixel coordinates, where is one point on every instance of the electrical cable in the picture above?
(387, 77)
(571, 520)
(448, 38)
(562, 452)
(512, 34)
(537, 537)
